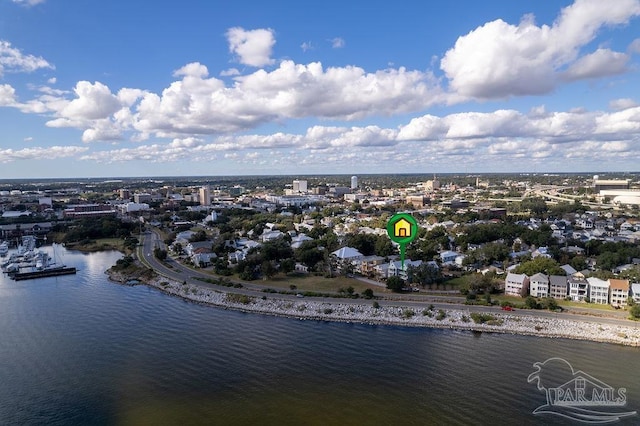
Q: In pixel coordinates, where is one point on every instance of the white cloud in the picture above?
(94, 101)
(13, 60)
(337, 42)
(601, 63)
(634, 47)
(40, 153)
(620, 104)
(52, 80)
(229, 72)
(7, 95)
(499, 60)
(306, 46)
(251, 47)
(28, 2)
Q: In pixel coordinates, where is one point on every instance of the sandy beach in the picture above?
(366, 313)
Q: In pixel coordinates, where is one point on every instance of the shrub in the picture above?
(441, 315)
(408, 313)
(481, 318)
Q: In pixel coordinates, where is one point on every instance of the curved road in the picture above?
(178, 272)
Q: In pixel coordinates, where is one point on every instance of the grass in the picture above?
(99, 245)
(317, 283)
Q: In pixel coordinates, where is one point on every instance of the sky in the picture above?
(132, 88)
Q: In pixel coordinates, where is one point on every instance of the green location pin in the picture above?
(402, 228)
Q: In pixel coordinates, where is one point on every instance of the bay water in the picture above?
(81, 350)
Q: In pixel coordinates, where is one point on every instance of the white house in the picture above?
(539, 285)
(448, 257)
(635, 292)
(578, 288)
(396, 269)
(297, 241)
(598, 291)
(516, 284)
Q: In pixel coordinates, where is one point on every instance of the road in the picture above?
(181, 273)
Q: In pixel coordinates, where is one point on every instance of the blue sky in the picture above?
(123, 88)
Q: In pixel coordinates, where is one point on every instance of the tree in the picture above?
(367, 293)
(268, 269)
(634, 312)
(160, 254)
(395, 284)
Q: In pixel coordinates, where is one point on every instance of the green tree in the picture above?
(395, 284)
(160, 254)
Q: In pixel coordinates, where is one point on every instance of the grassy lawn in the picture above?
(98, 245)
(516, 301)
(317, 283)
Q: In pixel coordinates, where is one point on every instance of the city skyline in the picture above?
(121, 89)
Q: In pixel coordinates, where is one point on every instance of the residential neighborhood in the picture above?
(548, 236)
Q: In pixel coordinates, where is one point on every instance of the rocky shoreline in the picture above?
(458, 319)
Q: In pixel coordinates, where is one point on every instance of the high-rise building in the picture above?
(299, 186)
(204, 196)
(354, 182)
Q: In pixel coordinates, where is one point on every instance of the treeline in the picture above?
(92, 228)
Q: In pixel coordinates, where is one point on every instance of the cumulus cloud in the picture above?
(499, 59)
(13, 60)
(601, 63)
(634, 47)
(7, 95)
(251, 47)
(94, 101)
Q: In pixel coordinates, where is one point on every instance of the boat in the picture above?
(4, 248)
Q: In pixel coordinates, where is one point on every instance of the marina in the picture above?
(28, 262)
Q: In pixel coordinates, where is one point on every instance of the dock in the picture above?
(51, 272)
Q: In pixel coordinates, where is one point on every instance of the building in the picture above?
(558, 286)
(603, 184)
(299, 186)
(417, 201)
(578, 287)
(539, 285)
(125, 194)
(397, 269)
(354, 182)
(598, 291)
(204, 196)
(142, 197)
(89, 210)
(635, 292)
(619, 292)
(516, 284)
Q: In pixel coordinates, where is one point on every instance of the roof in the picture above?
(539, 277)
(346, 253)
(570, 270)
(558, 280)
(516, 277)
(619, 284)
(597, 282)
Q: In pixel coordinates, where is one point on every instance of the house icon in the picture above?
(402, 228)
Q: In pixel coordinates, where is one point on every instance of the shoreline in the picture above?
(455, 319)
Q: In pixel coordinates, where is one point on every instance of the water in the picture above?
(78, 350)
